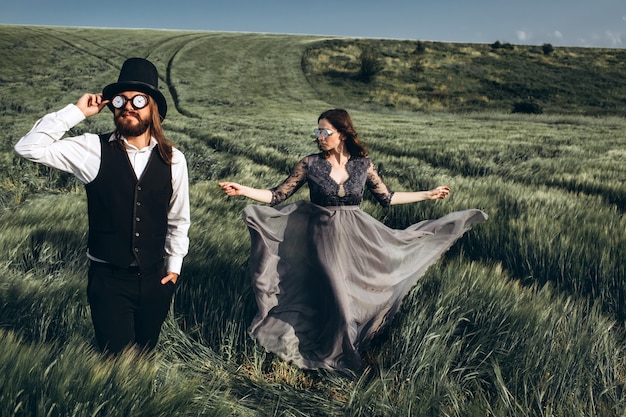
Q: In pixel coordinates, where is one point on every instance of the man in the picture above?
(138, 203)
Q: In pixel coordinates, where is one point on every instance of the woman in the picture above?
(327, 276)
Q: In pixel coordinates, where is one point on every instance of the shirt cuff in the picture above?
(174, 264)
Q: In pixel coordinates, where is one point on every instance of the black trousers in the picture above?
(128, 305)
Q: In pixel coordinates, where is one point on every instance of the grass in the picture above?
(523, 317)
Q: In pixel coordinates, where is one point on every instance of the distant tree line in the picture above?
(547, 48)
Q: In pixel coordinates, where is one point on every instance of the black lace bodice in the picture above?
(325, 191)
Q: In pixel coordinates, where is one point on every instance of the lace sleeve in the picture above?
(378, 188)
(291, 184)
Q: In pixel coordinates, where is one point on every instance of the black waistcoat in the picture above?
(128, 216)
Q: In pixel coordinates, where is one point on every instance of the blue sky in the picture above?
(590, 23)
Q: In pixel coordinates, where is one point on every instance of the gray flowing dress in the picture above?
(326, 275)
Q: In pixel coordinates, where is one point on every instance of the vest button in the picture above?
(137, 234)
(137, 219)
(139, 187)
(136, 249)
(138, 203)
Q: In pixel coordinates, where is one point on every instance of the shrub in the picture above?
(371, 65)
(498, 45)
(547, 48)
(420, 48)
(528, 107)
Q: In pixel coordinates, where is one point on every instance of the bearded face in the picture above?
(129, 123)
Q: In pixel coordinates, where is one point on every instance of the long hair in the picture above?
(163, 144)
(342, 122)
(155, 129)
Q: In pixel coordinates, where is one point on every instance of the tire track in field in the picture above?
(75, 43)
(115, 57)
(255, 71)
(178, 41)
(170, 83)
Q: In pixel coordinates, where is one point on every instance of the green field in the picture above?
(523, 317)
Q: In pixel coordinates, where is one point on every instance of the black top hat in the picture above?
(137, 74)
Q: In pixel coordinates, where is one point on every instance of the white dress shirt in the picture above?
(80, 155)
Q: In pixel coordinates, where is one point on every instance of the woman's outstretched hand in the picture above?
(231, 188)
(439, 193)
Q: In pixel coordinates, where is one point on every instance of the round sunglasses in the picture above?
(138, 101)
